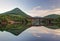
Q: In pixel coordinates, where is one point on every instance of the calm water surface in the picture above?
(32, 34)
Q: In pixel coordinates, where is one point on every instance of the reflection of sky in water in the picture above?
(32, 34)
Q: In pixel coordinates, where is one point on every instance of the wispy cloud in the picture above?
(37, 11)
(37, 31)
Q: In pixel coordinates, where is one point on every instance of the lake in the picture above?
(33, 33)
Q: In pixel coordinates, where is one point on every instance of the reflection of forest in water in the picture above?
(15, 28)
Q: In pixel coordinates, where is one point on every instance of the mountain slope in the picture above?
(52, 16)
(17, 11)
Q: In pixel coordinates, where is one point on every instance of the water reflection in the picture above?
(20, 32)
(32, 34)
(15, 29)
(40, 34)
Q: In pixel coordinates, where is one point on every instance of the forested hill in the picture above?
(16, 11)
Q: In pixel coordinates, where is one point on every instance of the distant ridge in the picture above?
(52, 16)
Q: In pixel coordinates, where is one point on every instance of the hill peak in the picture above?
(52, 16)
(16, 9)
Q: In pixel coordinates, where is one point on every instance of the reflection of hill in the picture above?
(14, 29)
(17, 31)
(55, 22)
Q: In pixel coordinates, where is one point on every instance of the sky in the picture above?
(32, 7)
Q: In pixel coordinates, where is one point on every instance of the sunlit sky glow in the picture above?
(32, 7)
(37, 31)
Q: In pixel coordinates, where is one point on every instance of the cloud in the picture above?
(37, 11)
(37, 31)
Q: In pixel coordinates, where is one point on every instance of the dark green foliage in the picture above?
(17, 12)
(55, 21)
(52, 16)
(16, 21)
